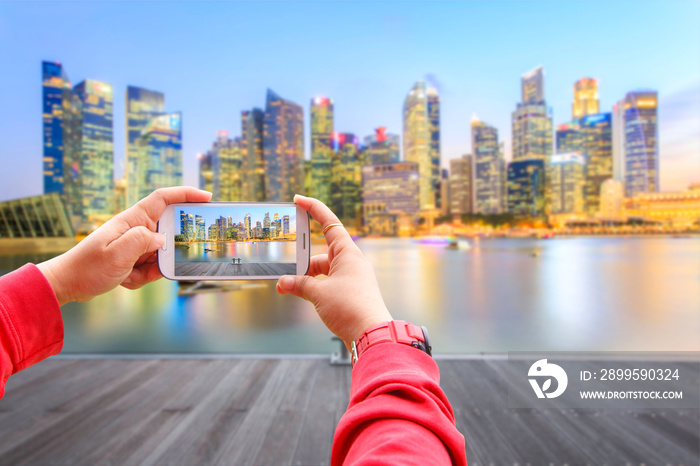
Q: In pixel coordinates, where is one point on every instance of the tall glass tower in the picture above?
(568, 138)
(434, 129)
(641, 143)
(321, 148)
(585, 98)
(97, 148)
(54, 84)
(158, 155)
(596, 132)
(346, 178)
(253, 165)
(526, 180)
(141, 106)
(488, 165)
(417, 142)
(382, 147)
(283, 148)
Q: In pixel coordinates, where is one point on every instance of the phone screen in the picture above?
(225, 240)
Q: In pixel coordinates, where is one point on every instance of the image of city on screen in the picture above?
(230, 240)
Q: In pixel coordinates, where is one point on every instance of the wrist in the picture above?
(391, 332)
(48, 270)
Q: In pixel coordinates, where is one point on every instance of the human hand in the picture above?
(348, 300)
(122, 251)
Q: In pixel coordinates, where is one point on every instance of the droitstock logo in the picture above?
(542, 370)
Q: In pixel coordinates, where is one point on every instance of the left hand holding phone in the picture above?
(120, 252)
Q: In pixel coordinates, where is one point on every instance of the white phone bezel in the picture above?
(166, 254)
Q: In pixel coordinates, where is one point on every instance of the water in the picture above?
(249, 251)
(578, 294)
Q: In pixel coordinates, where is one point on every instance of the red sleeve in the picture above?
(398, 414)
(31, 328)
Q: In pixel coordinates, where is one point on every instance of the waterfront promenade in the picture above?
(283, 410)
(226, 269)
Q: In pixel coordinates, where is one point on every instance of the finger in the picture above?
(135, 243)
(303, 286)
(319, 265)
(142, 275)
(154, 204)
(325, 216)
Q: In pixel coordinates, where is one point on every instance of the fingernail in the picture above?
(160, 239)
(205, 191)
(298, 196)
(286, 283)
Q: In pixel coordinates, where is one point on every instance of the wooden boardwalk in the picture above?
(283, 411)
(218, 269)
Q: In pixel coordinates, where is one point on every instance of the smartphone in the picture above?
(234, 241)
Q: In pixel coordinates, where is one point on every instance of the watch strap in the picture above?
(393, 331)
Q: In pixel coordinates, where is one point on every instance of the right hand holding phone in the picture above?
(348, 299)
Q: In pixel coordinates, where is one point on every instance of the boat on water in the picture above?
(458, 243)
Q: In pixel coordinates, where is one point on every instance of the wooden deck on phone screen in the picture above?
(224, 269)
(277, 411)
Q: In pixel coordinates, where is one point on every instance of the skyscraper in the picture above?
(434, 131)
(568, 138)
(487, 165)
(418, 140)
(200, 228)
(389, 188)
(141, 106)
(321, 148)
(461, 185)
(596, 131)
(97, 149)
(283, 148)
(54, 84)
(641, 143)
(382, 147)
(585, 98)
(62, 125)
(618, 141)
(567, 179)
(532, 119)
(532, 86)
(206, 172)
(526, 180)
(157, 155)
(346, 178)
(253, 182)
(226, 161)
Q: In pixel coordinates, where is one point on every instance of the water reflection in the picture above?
(249, 251)
(589, 294)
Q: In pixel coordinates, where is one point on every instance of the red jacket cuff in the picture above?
(31, 326)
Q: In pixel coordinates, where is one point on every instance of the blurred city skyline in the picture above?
(363, 57)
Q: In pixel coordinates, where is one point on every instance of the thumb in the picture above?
(136, 242)
(302, 286)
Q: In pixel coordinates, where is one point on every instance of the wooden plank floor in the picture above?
(283, 411)
(219, 269)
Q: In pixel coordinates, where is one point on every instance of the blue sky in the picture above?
(213, 59)
(237, 213)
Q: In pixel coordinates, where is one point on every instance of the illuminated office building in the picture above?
(190, 227)
(141, 106)
(55, 84)
(390, 188)
(532, 119)
(585, 98)
(445, 192)
(641, 143)
(346, 178)
(158, 155)
(226, 162)
(321, 148)
(382, 147)
(97, 149)
(568, 138)
(532, 86)
(461, 185)
(285, 225)
(487, 168)
(677, 209)
(618, 141)
(248, 226)
(283, 148)
(526, 180)
(200, 228)
(596, 132)
(266, 225)
(434, 131)
(62, 133)
(253, 182)
(421, 138)
(567, 177)
(37, 217)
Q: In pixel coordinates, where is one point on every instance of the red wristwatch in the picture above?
(393, 331)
